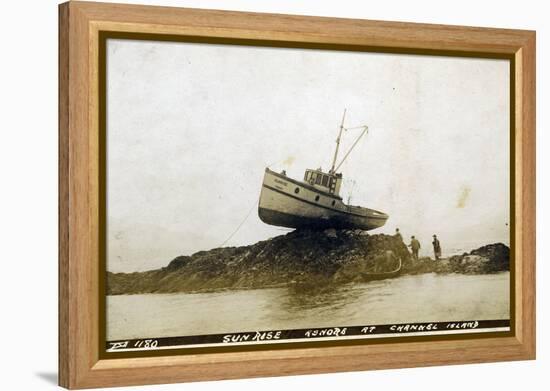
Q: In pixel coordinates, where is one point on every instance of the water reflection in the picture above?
(303, 297)
(320, 305)
(422, 298)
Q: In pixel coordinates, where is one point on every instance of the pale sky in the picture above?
(191, 128)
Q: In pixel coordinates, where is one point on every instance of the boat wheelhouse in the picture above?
(323, 181)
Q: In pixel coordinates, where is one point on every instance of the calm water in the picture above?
(422, 298)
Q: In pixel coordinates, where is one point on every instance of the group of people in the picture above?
(415, 245)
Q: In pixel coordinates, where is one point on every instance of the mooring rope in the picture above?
(239, 226)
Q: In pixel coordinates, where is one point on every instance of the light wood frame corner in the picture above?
(80, 23)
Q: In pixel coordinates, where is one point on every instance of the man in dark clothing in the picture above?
(398, 235)
(415, 247)
(437, 248)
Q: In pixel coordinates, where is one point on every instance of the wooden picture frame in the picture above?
(81, 364)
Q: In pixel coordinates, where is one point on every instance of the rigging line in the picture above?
(365, 130)
(239, 226)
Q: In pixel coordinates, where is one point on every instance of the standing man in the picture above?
(415, 246)
(437, 248)
(398, 235)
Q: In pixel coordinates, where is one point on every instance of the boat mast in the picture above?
(338, 143)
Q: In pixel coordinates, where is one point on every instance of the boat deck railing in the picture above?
(356, 209)
(364, 211)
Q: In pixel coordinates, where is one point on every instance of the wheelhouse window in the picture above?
(325, 180)
(318, 179)
(331, 184)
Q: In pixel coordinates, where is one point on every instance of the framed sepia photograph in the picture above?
(247, 195)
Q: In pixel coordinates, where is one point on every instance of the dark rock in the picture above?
(498, 255)
(178, 262)
(301, 257)
(487, 259)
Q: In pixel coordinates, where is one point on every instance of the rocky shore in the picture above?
(301, 258)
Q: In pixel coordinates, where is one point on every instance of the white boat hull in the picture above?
(286, 202)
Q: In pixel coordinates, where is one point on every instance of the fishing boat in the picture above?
(315, 201)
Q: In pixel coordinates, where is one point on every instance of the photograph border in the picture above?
(102, 89)
(84, 28)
